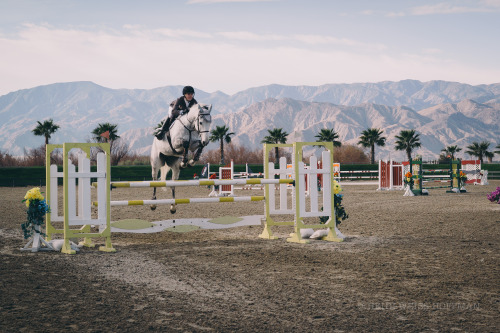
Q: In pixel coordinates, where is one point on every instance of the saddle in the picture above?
(165, 131)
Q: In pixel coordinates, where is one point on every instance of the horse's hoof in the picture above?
(183, 165)
(153, 207)
(173, 211)
(191, 163)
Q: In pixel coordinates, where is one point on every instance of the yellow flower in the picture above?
(33, 194)
(336, 187)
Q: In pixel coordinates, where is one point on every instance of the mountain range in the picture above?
(443, 113)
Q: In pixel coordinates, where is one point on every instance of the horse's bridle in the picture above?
(196, 127)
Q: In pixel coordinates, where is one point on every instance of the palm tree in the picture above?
(102, 128)
(276, 135)
(220, 133)
(328, 135)
(408, 140)
(480, 150)
(106, 132)
(370, 138)
(450, 151)
(46, 129)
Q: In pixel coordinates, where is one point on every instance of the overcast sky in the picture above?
(232, 45)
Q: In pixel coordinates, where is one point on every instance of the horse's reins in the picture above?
(189, 130)
(194, 128)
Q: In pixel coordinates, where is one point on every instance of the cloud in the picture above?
(446, 8)
(250, 36)
(395, 14)
(325, 40)
(193, 2)
(491, 3)
(484, 6)
(139, 58)
(432, 51)
(305, 39)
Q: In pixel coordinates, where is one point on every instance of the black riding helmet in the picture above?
(188, 90)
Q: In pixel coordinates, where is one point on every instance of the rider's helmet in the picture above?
(187, 90)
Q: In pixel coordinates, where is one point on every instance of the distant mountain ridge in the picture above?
(443, 112)
(442, 125)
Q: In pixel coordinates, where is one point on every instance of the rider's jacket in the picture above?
(179, 105)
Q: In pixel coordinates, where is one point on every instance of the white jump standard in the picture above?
(274, 189)
(72, 198)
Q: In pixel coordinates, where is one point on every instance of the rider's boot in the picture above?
(164, 129)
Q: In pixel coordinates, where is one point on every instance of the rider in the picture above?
(180, 106)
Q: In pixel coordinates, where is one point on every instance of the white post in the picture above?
(379, 175)
(101, 192)
(391, 174)
(71, 192)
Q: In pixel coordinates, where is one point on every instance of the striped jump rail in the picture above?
(176, 183)
(436, 181)
(183, 201)
(431, 187)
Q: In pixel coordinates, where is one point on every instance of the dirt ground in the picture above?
(409, 264)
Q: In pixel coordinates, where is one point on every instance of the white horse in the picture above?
(188, 132)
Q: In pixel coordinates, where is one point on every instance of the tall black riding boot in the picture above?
(164, 129)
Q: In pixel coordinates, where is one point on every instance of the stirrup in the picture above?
(162, 135)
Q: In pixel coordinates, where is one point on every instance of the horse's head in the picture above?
(200, 114)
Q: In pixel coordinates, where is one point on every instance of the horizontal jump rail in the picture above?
(425, 188)
(176, 183)
(436, 176)
(358, 176)
(183, 201)
(436, 181)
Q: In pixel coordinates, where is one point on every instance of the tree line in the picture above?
(407, 141)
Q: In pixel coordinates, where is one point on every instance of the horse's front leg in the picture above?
(197, 154)
(154, 175)
(175, 176)
(153, 207)
(173, 208)
(185, 145)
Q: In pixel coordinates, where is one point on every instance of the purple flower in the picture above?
(494, 196)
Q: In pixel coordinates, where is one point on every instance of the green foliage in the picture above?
(37, 208)
(408, 140)
(276, 135)
(408, 179)
(35, 176)
(450, 151)
(46, 129)
(220, 133)
(102, 128)
(328, 135)
(371, 137)
(340, 212)
(480, 150)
